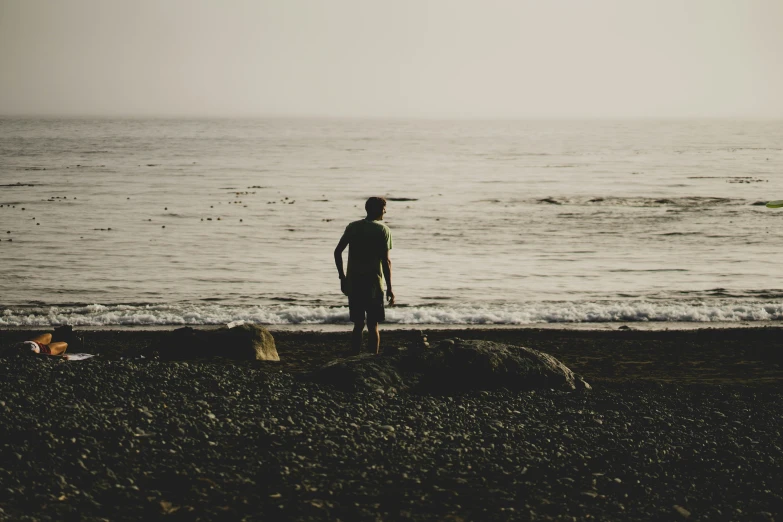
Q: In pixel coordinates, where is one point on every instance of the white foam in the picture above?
(530, 313)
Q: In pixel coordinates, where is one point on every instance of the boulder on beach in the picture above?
(246, 342)
(249, 341)
(457, 364)
(453, 365)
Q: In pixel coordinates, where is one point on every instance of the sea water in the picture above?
(155, 221)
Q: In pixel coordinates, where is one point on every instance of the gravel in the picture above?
(141, 439)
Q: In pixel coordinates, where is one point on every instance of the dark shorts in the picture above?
(44, 348)
(361, 303)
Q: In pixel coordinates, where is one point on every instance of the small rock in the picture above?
(682, 511)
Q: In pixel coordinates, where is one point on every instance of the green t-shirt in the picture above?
(368, 242)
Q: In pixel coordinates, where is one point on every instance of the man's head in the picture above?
(375, 208)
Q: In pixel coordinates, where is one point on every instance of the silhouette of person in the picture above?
(369, 264)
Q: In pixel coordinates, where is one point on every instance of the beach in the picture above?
(581, 202)
(680, 424)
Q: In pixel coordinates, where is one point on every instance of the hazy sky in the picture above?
(440, 58)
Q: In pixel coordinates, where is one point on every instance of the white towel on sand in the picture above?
(79, 356)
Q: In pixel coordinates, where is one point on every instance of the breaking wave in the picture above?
(522, 314)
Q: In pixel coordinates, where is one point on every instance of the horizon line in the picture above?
(187, 116)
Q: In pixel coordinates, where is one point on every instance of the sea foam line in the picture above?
(530, 313)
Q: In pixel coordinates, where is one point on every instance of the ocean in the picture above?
(165, 222)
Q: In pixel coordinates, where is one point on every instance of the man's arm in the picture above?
(338, 256)
(386, 266)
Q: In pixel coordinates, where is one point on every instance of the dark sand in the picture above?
(680, 425)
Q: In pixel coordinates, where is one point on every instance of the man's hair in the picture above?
(375, 206)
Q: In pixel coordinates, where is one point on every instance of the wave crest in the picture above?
(523, 314)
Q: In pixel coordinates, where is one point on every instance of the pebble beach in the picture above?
(583, 202)
(679, 425)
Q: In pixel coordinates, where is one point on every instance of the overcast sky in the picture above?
(400, 58)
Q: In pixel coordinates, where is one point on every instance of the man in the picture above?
(368, 266)
(42, 344)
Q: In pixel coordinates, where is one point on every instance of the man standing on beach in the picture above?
(368, 265)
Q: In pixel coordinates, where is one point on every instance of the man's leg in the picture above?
(356, 337)
(375, 315)
(58, 348)
(374, 343)
(43, 338)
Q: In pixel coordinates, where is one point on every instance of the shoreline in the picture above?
(341, 327)
(746, 356)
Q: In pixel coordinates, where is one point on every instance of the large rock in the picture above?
(246, 342)
(249, 341)
(453, 365)
(457, 364)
